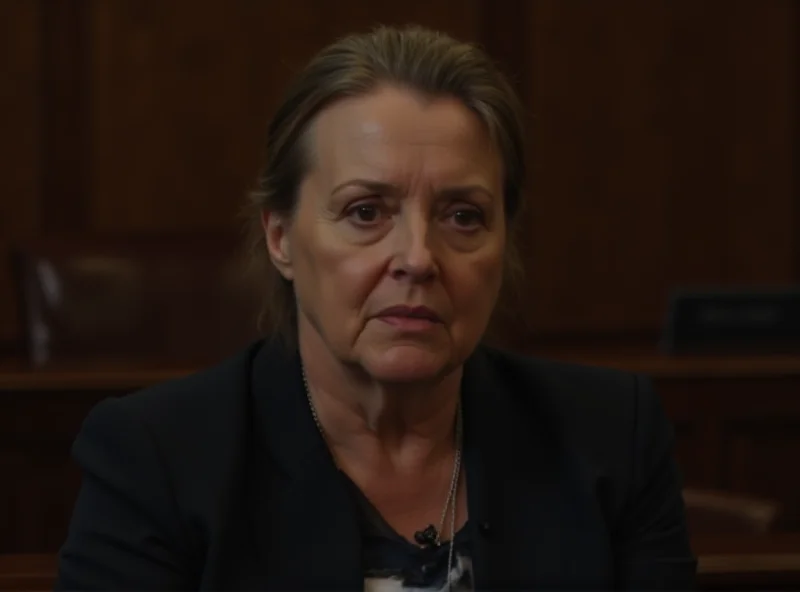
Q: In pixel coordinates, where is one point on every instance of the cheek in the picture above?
(358, 273)
(475, 285)
(345, 276)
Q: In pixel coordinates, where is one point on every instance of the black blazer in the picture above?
(221, 481)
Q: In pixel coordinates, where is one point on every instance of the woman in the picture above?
(378, 445)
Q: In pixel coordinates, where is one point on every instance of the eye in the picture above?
(364, 214)
(468, 218)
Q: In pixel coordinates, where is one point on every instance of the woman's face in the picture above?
(396, 247)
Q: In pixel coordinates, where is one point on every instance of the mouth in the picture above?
(411, 318)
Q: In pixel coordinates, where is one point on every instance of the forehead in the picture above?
(390, 131)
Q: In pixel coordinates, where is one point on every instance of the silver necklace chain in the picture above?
(450, 502)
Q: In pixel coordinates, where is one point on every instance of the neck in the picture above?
(370, 421)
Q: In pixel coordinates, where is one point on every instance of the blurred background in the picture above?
(664, 154)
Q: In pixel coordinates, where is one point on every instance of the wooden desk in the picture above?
(738, 563)
(736, 418)
(748, 563)
(23, 573)
(78, 375)
(646, 360)
(15, 375)
(40, 414)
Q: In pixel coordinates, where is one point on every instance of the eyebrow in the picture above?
(392, 189)
(373, 186)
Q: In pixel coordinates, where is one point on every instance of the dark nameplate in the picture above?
(742, 321)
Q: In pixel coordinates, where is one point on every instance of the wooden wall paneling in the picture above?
(601, 164)
(732, 84)
(662, 155)
(181, 94)
(703, 136)
(504, 31)
(505, 27)
(763, 161)
(20, 144)
(66, 148)
(663, 132)
(796, 147)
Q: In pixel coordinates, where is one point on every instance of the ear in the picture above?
(276, 231)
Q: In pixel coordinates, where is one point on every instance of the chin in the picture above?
(408, 363)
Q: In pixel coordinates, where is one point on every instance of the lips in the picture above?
(411, 312)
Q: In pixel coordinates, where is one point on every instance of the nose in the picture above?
(413, 258)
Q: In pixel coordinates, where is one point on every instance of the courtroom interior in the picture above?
(664, 178)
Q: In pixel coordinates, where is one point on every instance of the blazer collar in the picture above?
(528, 505)
(306, 526)
(307, 532)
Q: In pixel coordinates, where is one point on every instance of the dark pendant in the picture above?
(426, 537)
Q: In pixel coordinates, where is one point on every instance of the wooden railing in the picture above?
(23, 573)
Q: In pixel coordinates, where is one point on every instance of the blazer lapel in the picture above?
(526, 506)
(306, 526)
(533, 521)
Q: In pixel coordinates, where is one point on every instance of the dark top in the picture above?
(221, 481)
(390, 562)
